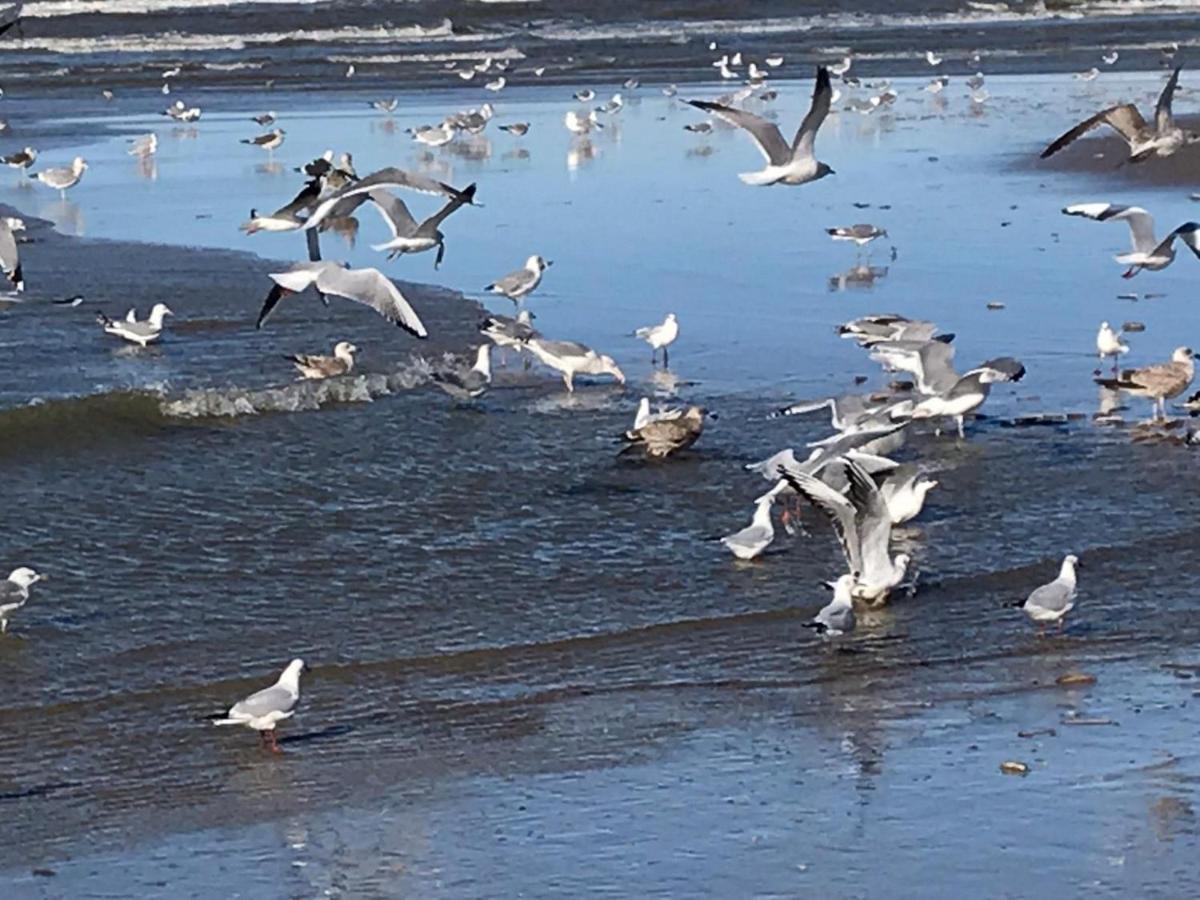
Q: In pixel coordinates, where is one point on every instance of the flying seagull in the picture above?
(409, 236)
(1148, 252)
(367, 286)
(265, 709)
(14, 592)
(794, 164)
(1159, 383)
(1051, 602)
(1163, 138)
(317, 368)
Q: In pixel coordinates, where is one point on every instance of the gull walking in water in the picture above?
(660, 337)
(369, 287)
(1163, 138)
(519, 284)
(1148, 252)
(860, 234)
(1159, 383)
(409, 236)
(65, 178)
(837, 617)
(146, 145)
(10, 258)
(21, 160)
(140, 333)
(571, 359)
(268, 141)
(265, 709)
(466, 383)
(755, 537)
(786, 164)
(659, 438)
(1109, 343)
(14, 593)
(864, 527)
(318, 368)
(1051, 602)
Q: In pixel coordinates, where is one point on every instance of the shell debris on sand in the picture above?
(1013, 767)
(1075, 679)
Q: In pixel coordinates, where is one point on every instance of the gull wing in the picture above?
(268, 700)
(822, 98)
(394, 212)
(385, 178)
(564, 348)
(1162, 109)
(872, 521)
(1124, 118)
(1162, 377)
(1141, 223)
(374, 289)
(464, 197)
(1054, 596)
(840, 511)
(1188, 232)
(766, 134)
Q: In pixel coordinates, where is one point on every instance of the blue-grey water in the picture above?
(534, 672)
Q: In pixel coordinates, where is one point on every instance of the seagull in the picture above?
(587, 95)
(267, 118)
(497, 85)
(904, 489)
(932, 58)
(432, 135)
(1162, 139)
(1148, 252)
(385, 106)
(367, 286)
(577, 124)
(774, 61)
(265, 709)
(755, 537)
(571, 359)
(975, 82)
(794, 164)
(465, 383)
(860, 234)
(10, 259)
(614, 105)
(140, 333)
(1051, 602)
(268, 141)
(836, 618)
(1090, 75)
(409, 236)
(660, 336)
(14, 592)
(863, 526)
(879, 327)
(968, 392)
(937, 85)
(520, 129)
(1159, 383)
(1109, 343)
(473, 121)
(318, 368)
(519, 284)
(842, 67)
(181, 112)
(144, 146)
(63, 179)
(1110, 59)
(505, 331)
(659, 439)
(21, 160)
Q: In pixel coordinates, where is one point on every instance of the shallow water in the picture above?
(532, 672)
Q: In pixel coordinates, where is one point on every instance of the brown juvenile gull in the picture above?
(367, 286)
(1159, 383)
(659, 439)
(319, 367)
(786, 164)
(1163, 138)
(265, 709)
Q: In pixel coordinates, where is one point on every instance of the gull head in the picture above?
(925, 485)
(1191, 137)
(609, 365)
(160, 310)
(823, 170)
(1183, 354)
(1071, 561)
(78, 164)
(25, 576)
(344, 350)
(537, 264)
(14, 224)
(525, 317)
(291, 675)
(842, 588)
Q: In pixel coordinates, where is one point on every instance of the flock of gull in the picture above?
(849, 476)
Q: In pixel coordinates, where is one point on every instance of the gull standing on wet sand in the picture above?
(837, 617)
(466, 383)
(860, 234)
(268, 141)
(14, 592)
(794, 164)
(1051, 602)
(1109, 343)
(572, 358)
(660, 337)
(129, 328)
(317, 368)
(1164, 138)
(265, 709)
(64, 178)
(1148, 252)
(10, 257)
(519, 284)
(755, 537)
(1159, 383)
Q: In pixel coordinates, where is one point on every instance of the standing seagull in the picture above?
(63, 179)
(516, 285)
(572, 358)
(755, 537)
(409, 236)
(14, 592)
(863, 526)
(268, 141)
(836, 618)
(318, 368)
(1159, 383)
(263, 710)
(1148, 252)
(10, 259)
(860, 234)
(21, 160)
(793, 164)
(1162, 139)
(367, 286)
(1109, 343)
(1051, 602)
(659, 337)
(464, 383)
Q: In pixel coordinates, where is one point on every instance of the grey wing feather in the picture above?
(1162, 109)
(390, 177)
(872, 519)
(376, 290)
(268, 700)
(821, 100)
(766, 134)
(838, 509)
(565, 348)
(1054, 596)
(1124, 118)
(394, 212)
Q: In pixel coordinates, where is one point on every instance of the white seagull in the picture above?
(140, 333)
(265, 709)
(14, 592)
(755, 537)
(1148, 252)
(786, 164)
(1109, 343)
(1051, 602)
(660, 337)
(571, 359)
(367, 286)
(517, 285)
(837, 617)
(410, 236)
(65, 178)
(318, 368)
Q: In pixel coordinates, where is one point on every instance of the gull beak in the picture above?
(306, 668)
(549, 263)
